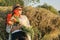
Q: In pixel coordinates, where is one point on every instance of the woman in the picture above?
(18, 19)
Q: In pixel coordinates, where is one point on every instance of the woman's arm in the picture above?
(27, 21)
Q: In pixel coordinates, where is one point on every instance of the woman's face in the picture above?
(20, 10)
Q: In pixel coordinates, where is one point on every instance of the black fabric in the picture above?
(18, 35)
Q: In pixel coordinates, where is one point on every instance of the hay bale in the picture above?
(44, 20)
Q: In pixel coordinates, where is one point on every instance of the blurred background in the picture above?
(44, 16)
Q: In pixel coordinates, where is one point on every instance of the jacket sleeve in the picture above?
(27, 21)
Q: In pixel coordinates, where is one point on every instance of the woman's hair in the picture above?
(15, 7)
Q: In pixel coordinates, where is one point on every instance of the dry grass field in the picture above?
(45, 21)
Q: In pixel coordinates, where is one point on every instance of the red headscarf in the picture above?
(8, 18)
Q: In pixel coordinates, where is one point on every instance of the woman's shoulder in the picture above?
(24, 16)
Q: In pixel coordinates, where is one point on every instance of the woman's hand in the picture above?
(10, 23)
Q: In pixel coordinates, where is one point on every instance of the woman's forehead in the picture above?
(19, 8)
